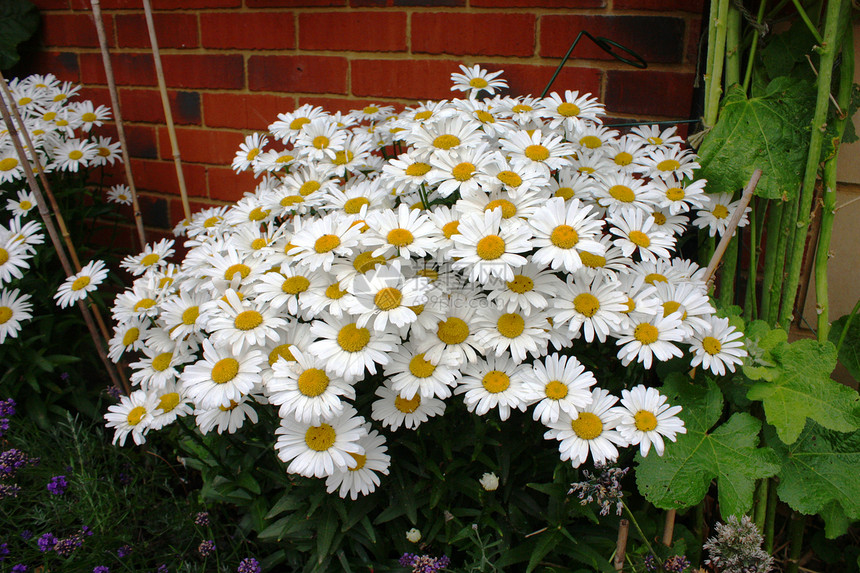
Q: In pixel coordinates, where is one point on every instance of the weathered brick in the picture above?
(309, 74)
(526, 79)
(105, 5)
(160, 176)
(145, 105)
(77, 30)
(43, 5)
(204, 71)
(244, 111)
(64, 65)
(359, 31)
(227, 185)
(293, 3)
(654, 38)
(141, 141)
(216, 147)
(194, 4)
(129, 69)
(248, 31)
(663, 5)
(538, 3)
(404, 3)
(172, 30)
(409, 79)
(473, 34)
(694, 40)
(649, 92)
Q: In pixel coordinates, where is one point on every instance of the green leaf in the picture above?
(761, 339)
(545, 544)
(804, 390)
(770, 132)
(288, 502)
(325, 534)
(730, 454)
(849, 352)
(783, 51)
(820, 468)
(276, 530)
(19, 20)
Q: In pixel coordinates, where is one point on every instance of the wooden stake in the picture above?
(621, 544)
(669, 528)
(168, 114)
(117, 114)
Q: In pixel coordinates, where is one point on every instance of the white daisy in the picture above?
(128, 336)
(487, 249)
(243, 325)
(317, 243)
(718, 348)
(393, 410)
(558, 384)
(405, 232)
(221, 376)
(158, 368)
(651, 338)
(512, 332)
(590, 430)
(455, 339)
(636, 234)
(22, 207)
(79, 285)
(536, 151)
(248, 151)
(227, 418)
(320, 450)
(572, 110)
(411, 373)
(475, 79)
(363, 478)
(494, 382)
(644, 417)
(14, 308)
(532, 288)
(349, 350)
(154, 255)
(591, 303)
(717, 212)
(562, 230)
(384, 295)
(133, 415)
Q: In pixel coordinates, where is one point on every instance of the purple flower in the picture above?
(206, 548)
(58, 485)
(26, 534)
(9, 490)
(4, 425)
(249, 565)
(424, 563)
(4, 551)
(67, 545)
(123, 551)
(46, 542)
(101, 569)
(12, 460)
(202, 519)
(162, 569)
(19, 568)
(114, 392)
(7, 408)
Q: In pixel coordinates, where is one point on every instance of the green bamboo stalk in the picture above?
(756, 221)
(733, 46)
(719, 28)
(729, 270)
(770, 518)
(803, 16)
(789, 230)
(795, 536)
(775, 212)
(754, 45)
(828, 208)
(827, 51)
(712, 41)
(760, 508)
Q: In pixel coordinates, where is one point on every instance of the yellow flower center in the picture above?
(313, 382)
(25, 100)
(655, 140)
(631, 306)
(89, 117)
(652, 278)
(371, 109)
(659, 218)
(320, 438)
(622, 193)
(623, 158)
(320, 142)
(508, 208)
(291, 200)
(417, 309)
(452, 331)
(587, 426)
(353, 339)
(343, 157)
(586, 304)
(5, 314)
(248, 320)
(568, 109)
(668, 165)
(407, 406)
(299, 122)
(478, 83)
(75, 154)
(281, 351)
(591, 142)
(400, 237)
(225, 370)
(149, 260)
(721, 212)
(79, 284)
(495, 381)
(251, 155)
(295, 285)
(365, 261)
(451, 229)
(360, 460)
(521, 108)
(309, 187)
(257, 214)
(639, 238)
(49, 116)
(62, 122)
(565, 193)
(190, 314)
(446, 141)
(103, 152)
(422, 115)
(8, 164)
(353, 206)
(161, 362)
(135, 415)
(419, 169)
(521, 284)
(670, 306)
(592, 261)
(491, 247)
(333, 291)
(131, 335)
(144, 304)
(537, 152)
(646, 333)
(243, 270)
(463, 171)
(511, 325)
(645, 421)
(388, 298)
(229, 408)
(327, 243)
(485, 117)
(509, 178)
(421, 368)
(555, 390)
(211, 222)
(675, 194)
(167, 402)
(258, 244)
(711, 345)
(564, 237)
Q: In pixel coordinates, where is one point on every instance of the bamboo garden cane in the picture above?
(120, 129)
(111, 369)
(168, 114)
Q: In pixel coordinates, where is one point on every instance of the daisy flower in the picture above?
(319, 139)
(78, 286)
(332, 298)
(572, 110)
(221, 376)
(593, 304)
(90, 116)
(446, 134)
(645, 417)
(494, 382)
(106, 152)
(455, 339)
(405, 233)
(226, 418)
(360, 197)
(592, 430)
(561, 230)
(119, 194)
(10, 168)
(617, 191)
(719, 348)
(140, 301)
(593, 137)
(475, 80)
(13, 258)
(22, 207)
(651, 338)
(248, 151)
(636, 234)
(691, 301)
(717, 212)
(73, 154)
(522, 110)
(304, 390)
(652, 136)
(516, 206)
(243, 325)
(672, 225)
(411, 373)
(349, 350)
(532, 288)
(172, 404)
(558, 384)
(625, 153)
(535, 151)
(385, 295)
(571, 184)
(289, 125)
(680, 197)
(153, 256)
(287, 289)
(320, 450)
(181, 315)
(408, 172)
(460, 169)
(133, 415)
(668, 164)
(317, 244)
(487, 249)
(158, 368)
(512, 332)
(14, 307)
(127, 336)
(485, 113)
(363, 478)
(393, 410)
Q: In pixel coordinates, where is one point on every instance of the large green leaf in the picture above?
(760, 340)
(803, 389)
(784, 50)
(770, 132)
(19, 20)
(730, 454)
(849, 352)
(821, 474)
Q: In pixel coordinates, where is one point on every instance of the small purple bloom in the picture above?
(19, 568)
(202, 519)
(114, 392)
(4, 551)
(26, 534)
(7, 408)
(249, 565)
(206, 548)
(101, 569)
(162, 569)
(9, 490)
(123, 551)
(4, 425)
(58, 485)
(46, 542)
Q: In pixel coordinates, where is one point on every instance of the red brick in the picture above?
(141, 141)
(390, 3)
(248, 31)
(172, 30)
(524, 79)
(694, 35)
(99, 96)
(43, 5)
(227, 185)
(160, 176)
(538, 3)
(78, 30)
(128, 69)
(359, 31)
(684, 5)
(654, 38)
(145, 105)
(64, 65)
(333, 105)
(244, 111)
(201, 145)
(309, 74)
(292, 3)
(473, 34)
(204, 71)
(409, 79)
(649, 93)
(194, 4)
(106, 5)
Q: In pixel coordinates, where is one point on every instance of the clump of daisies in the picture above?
(457, 250)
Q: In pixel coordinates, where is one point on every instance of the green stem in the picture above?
(775, 212)
(712, 40)
(750, 309)
(795, 536)
(847, 326)
(828, 208)
(812, 29)
(215, 457)
(727, 276)
(641, 534)
(770, 518)
(827, 51)
(720, 28)
(733, 47)
(789, 224)
(754, 46)
(760, 510)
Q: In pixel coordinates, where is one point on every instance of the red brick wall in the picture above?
(232, 65)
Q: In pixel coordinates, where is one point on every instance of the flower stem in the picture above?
(719, 28)
(750, 307)
(775, 212)
(803, 16)
(733, 46)
(795, 536)
(754, 46)
(641, 534)
(770, 517)
(760, 507)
